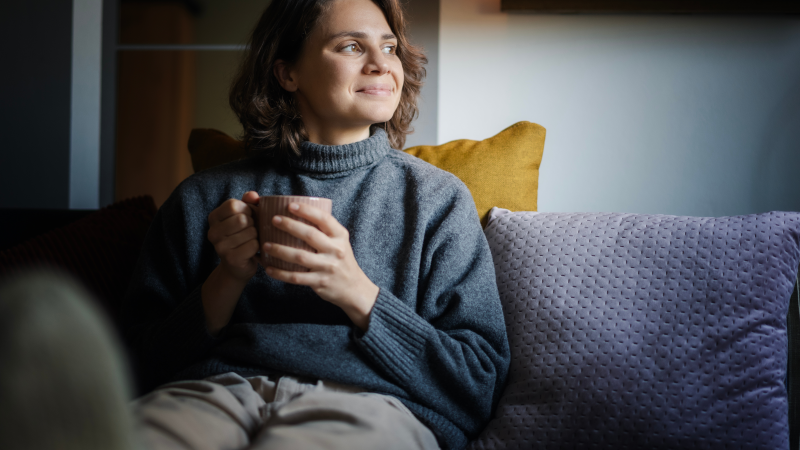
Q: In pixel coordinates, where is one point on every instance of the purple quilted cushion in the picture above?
(642, 331)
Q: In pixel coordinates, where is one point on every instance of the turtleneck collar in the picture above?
(329, 159)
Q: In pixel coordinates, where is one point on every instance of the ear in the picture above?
(284, 74)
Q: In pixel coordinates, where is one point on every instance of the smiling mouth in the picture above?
(381, 91)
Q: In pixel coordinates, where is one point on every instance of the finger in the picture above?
(324, 221)
(250, 197)
(230, 226)
(306, 233)
(227, 209)
(243, 254)
(235, 240)
(236, 224)
(287, 276)
(311, 261)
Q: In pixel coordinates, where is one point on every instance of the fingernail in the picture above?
(267, 246)
(294, 206)
(277, 219)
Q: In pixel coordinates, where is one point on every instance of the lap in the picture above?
(336, 420)
(230, 412)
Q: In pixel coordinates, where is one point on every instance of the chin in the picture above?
(373, 119)
(378, 113)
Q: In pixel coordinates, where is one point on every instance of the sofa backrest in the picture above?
(100, 249)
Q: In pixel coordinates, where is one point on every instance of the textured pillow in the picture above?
(209, 148)
(100, 249)
(643, 331)
(502, 170)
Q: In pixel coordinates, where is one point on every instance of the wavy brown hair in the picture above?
(269, 114)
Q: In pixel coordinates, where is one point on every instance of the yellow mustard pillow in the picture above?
(502, 170)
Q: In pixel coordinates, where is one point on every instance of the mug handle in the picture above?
(254, 214)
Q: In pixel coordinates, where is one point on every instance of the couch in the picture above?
(626, 330)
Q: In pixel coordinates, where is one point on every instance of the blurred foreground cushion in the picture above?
(644, 331)
(502, 170)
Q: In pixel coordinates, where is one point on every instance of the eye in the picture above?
(350, 48)
(390, 49)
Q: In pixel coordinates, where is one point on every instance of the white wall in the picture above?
(650, 114)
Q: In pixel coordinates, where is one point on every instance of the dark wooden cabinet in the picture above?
(155, 100)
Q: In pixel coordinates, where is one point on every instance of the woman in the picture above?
(396, 331)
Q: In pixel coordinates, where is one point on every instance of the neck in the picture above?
(326, 132)
(335, 135)
(332, 159)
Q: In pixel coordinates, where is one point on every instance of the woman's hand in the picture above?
(232, 232)
(334, 273)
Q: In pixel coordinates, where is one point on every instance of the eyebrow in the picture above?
(359, 35)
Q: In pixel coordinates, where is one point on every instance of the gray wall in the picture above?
(423, 26)
(56, 104)
(35, 84)
(678, 115)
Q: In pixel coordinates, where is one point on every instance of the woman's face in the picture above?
(348, 75)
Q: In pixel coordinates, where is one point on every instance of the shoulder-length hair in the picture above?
(269, 114)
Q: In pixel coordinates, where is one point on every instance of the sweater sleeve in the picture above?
(449, 349)
(165, 322)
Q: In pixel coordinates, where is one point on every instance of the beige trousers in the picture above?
(228, 412)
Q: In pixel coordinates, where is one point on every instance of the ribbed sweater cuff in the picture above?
(396, 336)
(185, 329)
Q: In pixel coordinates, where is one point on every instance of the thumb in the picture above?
(250, 197)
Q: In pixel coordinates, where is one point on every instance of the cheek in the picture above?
(399, 78)
(328, 81)
(342, 68)
(335, 73)
(397, 71)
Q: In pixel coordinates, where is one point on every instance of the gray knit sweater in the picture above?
(436, 338)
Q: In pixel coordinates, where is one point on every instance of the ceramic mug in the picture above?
(270, 206)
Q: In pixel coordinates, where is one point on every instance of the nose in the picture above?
(376, 63)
